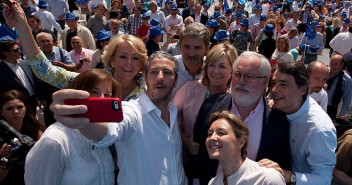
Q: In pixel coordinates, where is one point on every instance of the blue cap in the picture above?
(244, 22)
(215, 15)
(269, 28)
(347, 4)
(258, 7)
(228, 11)
(262, 17)
(275, 7)
(6, 38)
(207, 5)
(145, 16)
(343, 14)
(221, 35)
(346, 21)
(315, 23)
(168, 1)
(94, 5)
(173, 7)
(238, 15)
(102, 35)
(330, 8)
(338, 6)
(155, 31)
(303, 47)
(71, 16)
(308, 5)
(321, 16)
(212, 23)
(154, 22)
(42, 3)
(315, 3)
(300, 4)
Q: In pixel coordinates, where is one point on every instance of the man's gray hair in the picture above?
(196, 30)
(264, 62)
(42, 34)
(161, 54)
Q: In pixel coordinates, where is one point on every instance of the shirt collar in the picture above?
(304, 109)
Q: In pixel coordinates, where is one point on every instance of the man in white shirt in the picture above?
(293, 23)
(47, 18)
(154, 13)
(341, 43)
(318, 75)
(194, 45)
(147, 141)
(173, 22)
(255, 17)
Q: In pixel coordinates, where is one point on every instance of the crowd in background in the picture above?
(250, 101)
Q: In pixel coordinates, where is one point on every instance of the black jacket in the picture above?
(274, 143)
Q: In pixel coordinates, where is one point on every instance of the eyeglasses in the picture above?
(249, 78)
(15, 50)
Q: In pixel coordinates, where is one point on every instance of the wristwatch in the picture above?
(293, 178)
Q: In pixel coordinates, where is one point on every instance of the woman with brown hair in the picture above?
(214, 83)
(64, 155)
(15, 111)
(227, 142)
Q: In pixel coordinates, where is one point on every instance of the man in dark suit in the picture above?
(188, 11)
(16, 74)
(268, 128)
(198, 16)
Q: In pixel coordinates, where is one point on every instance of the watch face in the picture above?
(293, 178)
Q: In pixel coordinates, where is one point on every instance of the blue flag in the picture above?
(81, 2)
(310, 33)
(226, 5)
(242, 1)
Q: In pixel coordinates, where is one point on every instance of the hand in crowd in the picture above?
(271, 164)
(57, 63)
(192, 147)
(14, 14)
(63, 112)
(5, 151)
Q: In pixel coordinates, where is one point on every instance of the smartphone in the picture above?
(8, 2)
(99, 109)
(176, 37)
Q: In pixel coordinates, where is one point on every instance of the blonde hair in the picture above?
(216, 52)
(287, 43)
(117, 42)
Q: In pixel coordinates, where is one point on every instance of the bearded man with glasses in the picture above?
(268, 128)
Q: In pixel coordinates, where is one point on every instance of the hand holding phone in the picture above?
(99, 109)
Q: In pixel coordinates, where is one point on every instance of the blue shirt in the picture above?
(318, 40)
(312, 143)
(56, 56)
(6, 31)
(346, 93)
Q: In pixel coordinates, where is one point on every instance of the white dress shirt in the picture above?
(342, 42)
(48, 20)
(149, 151)
(63, 156)
(173, 21)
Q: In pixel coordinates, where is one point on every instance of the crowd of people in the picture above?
(211, 93)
